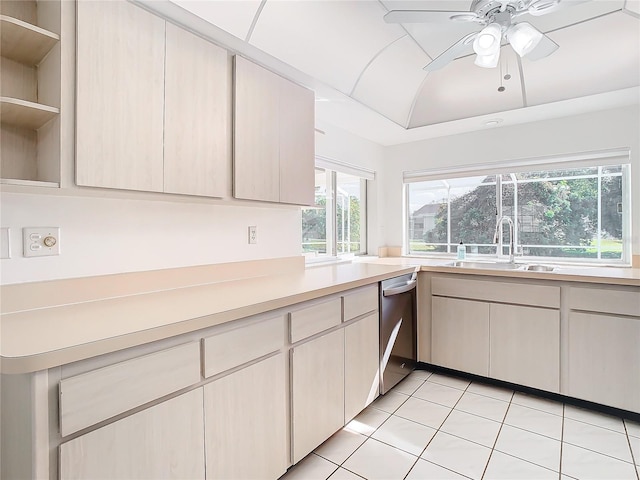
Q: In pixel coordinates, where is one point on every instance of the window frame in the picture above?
(331, 228)
(585, 160)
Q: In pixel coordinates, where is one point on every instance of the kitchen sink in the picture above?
(500, 266)
(487, 265)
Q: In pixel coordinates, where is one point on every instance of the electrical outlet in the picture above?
(253, 235)
(41, 241)
(5, 243)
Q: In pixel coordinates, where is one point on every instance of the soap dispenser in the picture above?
(462, 251)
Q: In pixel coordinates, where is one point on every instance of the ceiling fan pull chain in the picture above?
(501, 87)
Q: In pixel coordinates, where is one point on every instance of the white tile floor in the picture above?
(433, 426)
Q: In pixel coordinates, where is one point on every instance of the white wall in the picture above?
(110, 235)
(104, 235)
(582, 133)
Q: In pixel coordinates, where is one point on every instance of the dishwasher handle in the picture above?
(398, 289)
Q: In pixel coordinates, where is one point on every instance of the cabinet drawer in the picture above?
(503, 292)
(360, 301)
(232, 348)
(95, 396)
(621, 302)
(315, 318)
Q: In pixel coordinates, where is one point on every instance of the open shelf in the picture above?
(22, 113)
(23, 42)
(28, 183)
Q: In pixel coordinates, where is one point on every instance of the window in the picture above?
(337, 224)
(577, 213)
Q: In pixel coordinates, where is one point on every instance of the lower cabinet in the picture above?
(246, 399)
(514, 343)
(164, 441)
(245, 422)
(317, 386)
(525, 346)
(361, 364)
(460, 335)
(604, 359)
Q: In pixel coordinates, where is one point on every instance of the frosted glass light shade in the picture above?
(488, 61)
(488, 40)
(523, 37)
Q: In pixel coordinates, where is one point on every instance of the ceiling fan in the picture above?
(497, 17)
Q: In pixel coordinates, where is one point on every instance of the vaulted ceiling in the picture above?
(347, 46)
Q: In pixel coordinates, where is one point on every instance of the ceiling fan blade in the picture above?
(542, 7)
(545, 48)
(454, 51)
(428, 16)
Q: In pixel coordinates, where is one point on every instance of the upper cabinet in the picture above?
(30, 92)
(154, 109)
(196, 115)
(120, 96)
(152, 104)
(256, 146)
(273, 137)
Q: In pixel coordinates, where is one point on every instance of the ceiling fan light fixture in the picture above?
(523, 37)
(488, 61)
(488, 40)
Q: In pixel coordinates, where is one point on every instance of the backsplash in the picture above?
(101, 236)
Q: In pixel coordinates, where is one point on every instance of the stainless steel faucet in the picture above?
(512, 248)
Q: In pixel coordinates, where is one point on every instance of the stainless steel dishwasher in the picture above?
(398, 349)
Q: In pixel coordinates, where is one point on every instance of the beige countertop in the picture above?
(47, 324)
(86, 324)
(567, 273)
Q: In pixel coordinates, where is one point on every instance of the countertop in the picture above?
(566, 273)
(47, 324)
(47, 336)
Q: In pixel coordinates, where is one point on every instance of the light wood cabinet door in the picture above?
(297, 144)
(361, 365)
(604, 359)
(246, 422)
(525, 346)
(196, 116)
(256, 164)
(119, 96)
(317, 385)
(460, 335)
(164, 441)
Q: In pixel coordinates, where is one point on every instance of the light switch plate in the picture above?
(41, 241)
(5, 243)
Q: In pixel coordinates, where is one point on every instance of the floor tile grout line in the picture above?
(539, 409)
(531, 431)
(633, 457)
(493, 448)
(525, 460)
(486, 465)
(379, 441)
(561, 442)
(600, 426)
(490, 386)
(350, 471)
(369, 437)
(599, 452)
(394, 446)
(438, 430)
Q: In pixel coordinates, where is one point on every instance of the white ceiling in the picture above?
(368, 75)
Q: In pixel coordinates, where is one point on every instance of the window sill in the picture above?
(522, 259)
(328, 260)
